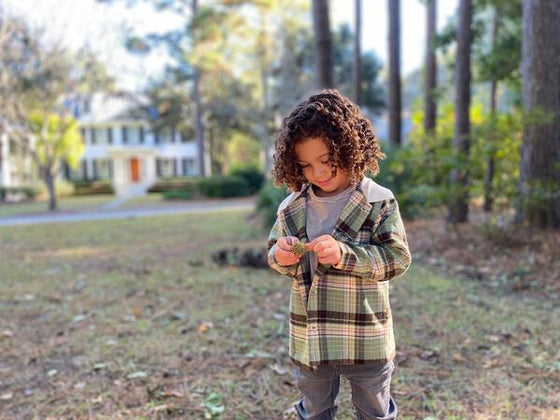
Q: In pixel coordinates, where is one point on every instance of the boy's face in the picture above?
(313, 158)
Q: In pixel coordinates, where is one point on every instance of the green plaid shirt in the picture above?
(342, 314)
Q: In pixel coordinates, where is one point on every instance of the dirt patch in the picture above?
(509, 257)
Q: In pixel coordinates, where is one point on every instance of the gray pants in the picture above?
(371, 394)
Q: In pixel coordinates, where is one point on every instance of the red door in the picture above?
(134, 170)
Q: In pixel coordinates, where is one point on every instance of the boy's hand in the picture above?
(283, 252)
(326, 248)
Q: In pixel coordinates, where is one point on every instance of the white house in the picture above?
(128, 151)
(16, 168)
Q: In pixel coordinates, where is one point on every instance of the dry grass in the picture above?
(130, 320)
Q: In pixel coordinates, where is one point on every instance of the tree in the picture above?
(459, 178)
(56, 138)
(394, 72)
(39, 85)
(430, 105)
(540, 156)
(358, 53)
(322, 45)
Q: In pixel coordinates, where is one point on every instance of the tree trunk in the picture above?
(489, 178)
(49, 179)
(358, 54)
(540, 153)
(394, 73)
(459, 178)
(430, 106)
(323, 45)
(198, 110)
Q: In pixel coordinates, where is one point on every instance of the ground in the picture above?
(131, 319)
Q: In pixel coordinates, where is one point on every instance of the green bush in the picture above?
(254, 177)
(29, 193)
(223, 186)
(171, 184)
(93, 187)
(268, 200)
(185, 194)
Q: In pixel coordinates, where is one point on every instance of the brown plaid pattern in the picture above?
(342, 314)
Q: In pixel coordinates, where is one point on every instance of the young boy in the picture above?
(353, 243)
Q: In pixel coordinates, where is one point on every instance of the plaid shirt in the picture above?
(342, 314)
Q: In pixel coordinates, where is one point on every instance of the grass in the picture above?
(65, 204)
(130, 319)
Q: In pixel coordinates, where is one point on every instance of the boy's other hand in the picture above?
(326, 248)
(283, 252)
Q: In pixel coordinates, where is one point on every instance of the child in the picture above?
(340, 318)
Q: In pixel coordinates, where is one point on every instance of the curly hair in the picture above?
(348, 135)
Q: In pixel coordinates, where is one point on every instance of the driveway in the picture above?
(190, 207)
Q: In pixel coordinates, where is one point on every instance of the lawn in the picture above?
(130, 319)
(74, 203)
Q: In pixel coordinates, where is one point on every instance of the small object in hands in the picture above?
(299, 249)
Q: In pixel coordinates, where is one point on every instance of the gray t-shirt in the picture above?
(322, 215)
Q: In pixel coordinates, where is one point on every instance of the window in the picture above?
(164, 135)
(101, 136)
(103, 168)
(189, 167)
(133, 135)
(166, 168)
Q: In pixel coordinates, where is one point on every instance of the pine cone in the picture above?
(299, 249)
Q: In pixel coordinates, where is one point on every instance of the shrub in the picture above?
(223, 186)
(93, 187)
(25, 192)
(170, 184)
(185, 194)
(254, 177)
(268, 200)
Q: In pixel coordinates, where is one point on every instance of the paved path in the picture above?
(191, 207)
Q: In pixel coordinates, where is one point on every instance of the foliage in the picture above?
(183, 194)
(268, 200)
(57, 138)
(28, 193)
(169, 184)
(254, 177)
(223, 186)
(418, 172)
(93, 187)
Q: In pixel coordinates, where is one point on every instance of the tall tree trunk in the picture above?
(459, 178)
(358, 54)
(198, 110)
(430, 106)
(540, 153)
(489, 178)
(323, 45)
(265, 101)
(394, 72)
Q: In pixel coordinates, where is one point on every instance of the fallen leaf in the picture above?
(280, 370)
(7, 396)
(205, 326)
(137, 375)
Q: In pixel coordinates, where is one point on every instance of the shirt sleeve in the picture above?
(275, 233)
(388, 255)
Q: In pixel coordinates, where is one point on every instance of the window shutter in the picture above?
(184, 164)
(84, 170)
(93, 139)
(175, 167)
(110, 135)
(142, 135)
(158, 167)
(124, 135)
(83, 133)
(94, 168)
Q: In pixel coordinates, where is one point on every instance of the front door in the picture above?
(134, 170)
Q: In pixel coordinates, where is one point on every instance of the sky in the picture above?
(87, 22)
